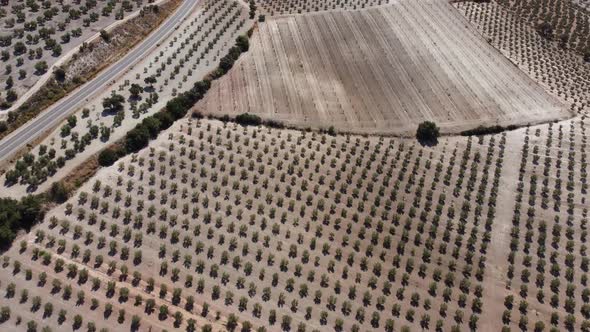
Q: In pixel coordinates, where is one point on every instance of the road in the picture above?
(56, 113)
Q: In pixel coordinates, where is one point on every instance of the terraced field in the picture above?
(379, 70)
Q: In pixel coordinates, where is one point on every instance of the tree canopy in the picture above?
(428, 132)
(113, 103)
(16, 215)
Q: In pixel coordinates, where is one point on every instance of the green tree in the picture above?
(41, 67)
(135, 90)
(428, 132)
(114, 103)
(545, 29)
(58, 192)
(59, 73)
(108, 156)
(243, 43)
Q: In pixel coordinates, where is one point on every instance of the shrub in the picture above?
(108, 156)
(11, 95)
(137, 138)
(105, 35)
(247, 119)
(482, 130)
(243, 43)
(58, 192)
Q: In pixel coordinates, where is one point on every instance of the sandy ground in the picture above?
(219, 196)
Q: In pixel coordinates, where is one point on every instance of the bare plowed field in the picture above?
(282, 7)
(379, 70)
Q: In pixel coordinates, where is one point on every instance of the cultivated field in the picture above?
(220, 227)
(284, 229)
(546, 275)
(560, 70)
(35, 34)
(569, 23)
(180, 61)
(283, 7)
(379, 70)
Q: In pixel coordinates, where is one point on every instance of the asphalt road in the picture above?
(56, 113)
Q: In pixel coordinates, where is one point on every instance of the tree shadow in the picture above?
(428, 142)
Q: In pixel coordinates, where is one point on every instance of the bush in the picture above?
(137, 138)
(105, 35)
(331, 131)
(247, 119)
(11, 95)
(243, 43)
(108, 157)
(481, 130)
(428, 131)
(58, 192)
(227, 62)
